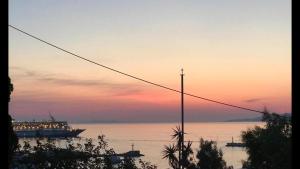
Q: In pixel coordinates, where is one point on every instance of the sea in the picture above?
(150, 138)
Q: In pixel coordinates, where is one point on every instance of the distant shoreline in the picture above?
(251, 119)
(158, 122)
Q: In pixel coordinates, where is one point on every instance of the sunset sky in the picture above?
(236, 51)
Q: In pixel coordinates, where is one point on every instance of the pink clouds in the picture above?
(86, 100)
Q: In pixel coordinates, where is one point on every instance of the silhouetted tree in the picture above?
(210, 157)
(146, 165)
(12, 138)
(127, 163)
(269, 147)
(170, 152)
(87, 155)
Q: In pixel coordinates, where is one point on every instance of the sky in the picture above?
(235, 51)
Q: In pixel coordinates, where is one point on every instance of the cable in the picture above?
(134, 77)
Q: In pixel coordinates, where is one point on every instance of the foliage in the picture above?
(85, 155)
(10, 88)
(127, 163)
(269, 147)
(12, 138)
(147, 165)
(170, 152)
(209, 157)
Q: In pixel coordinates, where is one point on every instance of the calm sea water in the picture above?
(150, 138)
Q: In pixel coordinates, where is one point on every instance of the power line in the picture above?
(134, 77)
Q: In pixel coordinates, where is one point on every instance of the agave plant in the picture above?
(170, 151)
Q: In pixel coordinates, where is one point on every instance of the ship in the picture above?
(49, 129)
(234, 144)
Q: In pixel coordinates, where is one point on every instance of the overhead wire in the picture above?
(132, 76)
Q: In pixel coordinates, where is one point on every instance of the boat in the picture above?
(49, 129)
(233, 144)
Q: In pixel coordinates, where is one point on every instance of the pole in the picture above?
(182, 118)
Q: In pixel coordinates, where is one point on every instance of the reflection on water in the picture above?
(150, 138)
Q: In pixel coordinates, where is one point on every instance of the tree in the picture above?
(269, 147)
(147, 165)
(127, 163)
(210, 157)
(85, 155)
(12, 138)
(170, 152)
